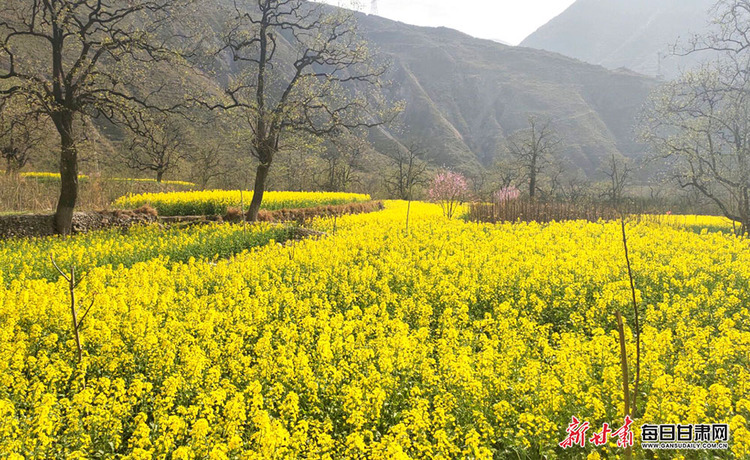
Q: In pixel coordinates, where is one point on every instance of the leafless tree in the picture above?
(157, 147)
(408, 170)
(480, 183)
(576, 187)
(532, 149)
(297, 166)
(702, 119)
(81, 58)
(505, 174)
(343, 157)
(618, 172)
(209, 162)
(21, 133)
(304, 68)
(551, 185)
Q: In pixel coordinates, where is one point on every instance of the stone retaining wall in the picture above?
(44, 225)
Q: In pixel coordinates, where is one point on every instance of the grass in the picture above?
(19, 194)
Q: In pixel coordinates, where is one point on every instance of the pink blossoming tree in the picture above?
(507, 194)
(449, 190)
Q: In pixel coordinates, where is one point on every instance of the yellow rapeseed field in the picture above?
(23, 258)
(216, 202)
(48, 176)
(451, 340)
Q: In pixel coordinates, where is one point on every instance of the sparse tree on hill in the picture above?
(304, 68)
(551, 185)
(505, 174)
(298, 164)
(576, 187)
(532, 149)
(73, 59)
(480, 183)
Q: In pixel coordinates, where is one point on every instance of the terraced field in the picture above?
(216, 202)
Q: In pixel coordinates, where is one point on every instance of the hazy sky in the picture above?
(507, 20)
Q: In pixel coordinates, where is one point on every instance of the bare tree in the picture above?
(329, 83)
(209, 162)
(298, 165)
(79, 58)
(618, 171)
(21, 133)
(157, 147)
(551, 185)
(505, 174)
(701, 121)
(480, 183)
(575, 187)
(532, 149)
(409, 170)
(343, 157)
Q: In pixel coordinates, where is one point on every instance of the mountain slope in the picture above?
(625, 33)
(465, 95)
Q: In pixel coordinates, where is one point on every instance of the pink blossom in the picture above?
(506, 194)
(448, 189)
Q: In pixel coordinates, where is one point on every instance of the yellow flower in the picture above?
(451, 340)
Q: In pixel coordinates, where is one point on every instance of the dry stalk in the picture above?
(625, 377)
(72, 285)
(637, 322)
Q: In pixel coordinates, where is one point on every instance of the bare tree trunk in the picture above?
(159, 175)
(532, 178)
(68, 175)
(261, 175)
